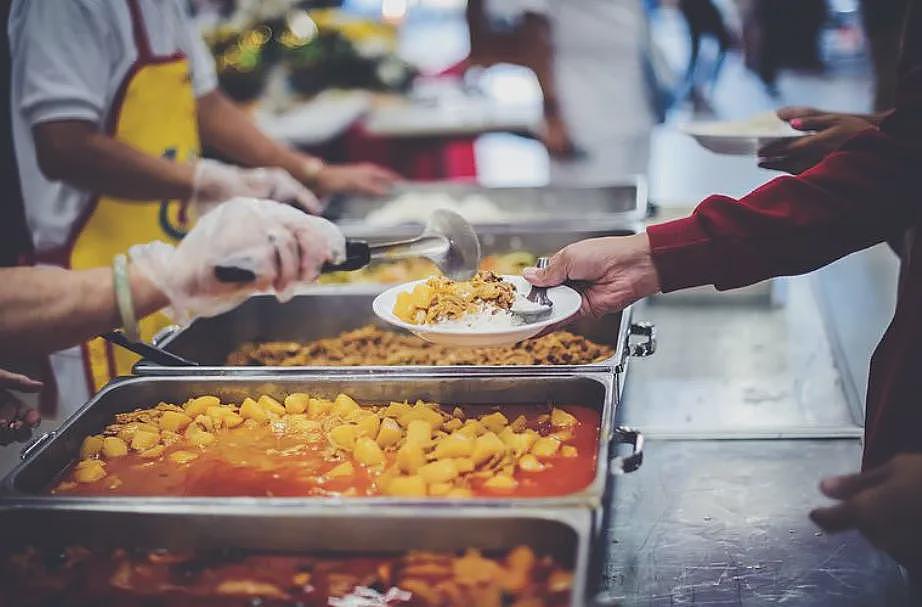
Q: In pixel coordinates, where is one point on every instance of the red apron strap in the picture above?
(140, 34)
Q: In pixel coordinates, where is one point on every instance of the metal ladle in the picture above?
(448, 241)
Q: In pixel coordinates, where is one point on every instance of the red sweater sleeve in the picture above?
(857, 197)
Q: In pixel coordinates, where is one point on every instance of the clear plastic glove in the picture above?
(281, 246)
(215, 182)
(611, 273)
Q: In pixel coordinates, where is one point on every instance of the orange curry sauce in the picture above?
(260, 461)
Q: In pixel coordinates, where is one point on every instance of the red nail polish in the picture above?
(797, 123)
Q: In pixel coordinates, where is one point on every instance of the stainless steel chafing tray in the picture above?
(51, 453)
(565, 534)
(615, 204)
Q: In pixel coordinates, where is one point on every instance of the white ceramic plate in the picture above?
(566, 303)
(738, 138)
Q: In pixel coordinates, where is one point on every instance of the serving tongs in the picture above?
(145, 350)
(448, 241)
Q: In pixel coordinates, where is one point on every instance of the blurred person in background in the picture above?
(111, 104)
(46, 308)
(883, 26)
(590, 58)
(704, 20)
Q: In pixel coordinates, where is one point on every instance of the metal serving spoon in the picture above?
(542, 304)
(448, 240)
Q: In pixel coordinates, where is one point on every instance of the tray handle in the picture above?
(34, 444)
(627, 463)
(646, 346)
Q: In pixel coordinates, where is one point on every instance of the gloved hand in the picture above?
(215, 182)
(280, 245)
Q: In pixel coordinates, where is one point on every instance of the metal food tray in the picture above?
(48, 456)
(565, 534)
(619, 204)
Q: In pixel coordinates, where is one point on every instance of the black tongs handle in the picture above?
(358, 255)
(145, 350)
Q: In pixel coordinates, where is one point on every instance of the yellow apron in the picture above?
(155, 112)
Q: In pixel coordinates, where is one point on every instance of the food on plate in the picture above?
(408, 270)
(77, 576)
(766, 124)
(411, 206)
(440, 300)
(308, 445)
(371, 345)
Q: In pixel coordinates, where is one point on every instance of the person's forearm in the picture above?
(538, 54)
(44, 309)
(228, 130)
(857, 197)
(75, 152)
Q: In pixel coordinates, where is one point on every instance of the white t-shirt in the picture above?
(602, 86)
(69, 58)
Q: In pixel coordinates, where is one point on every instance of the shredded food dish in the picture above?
(371, 345)
(441, 299)
(408, 270)
(82, 577)
(308, 445)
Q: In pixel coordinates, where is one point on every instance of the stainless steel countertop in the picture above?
(714, 517)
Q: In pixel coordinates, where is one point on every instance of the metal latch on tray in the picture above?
(627, 463)
(34, 444)
(164, 334)
(646, 345)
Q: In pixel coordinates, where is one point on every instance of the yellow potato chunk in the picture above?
(368, 452)
(91, 446)
(406, 486)
(200, 438)
(546, 446)
(464, 464)
(368, 425)
(389, 433)
(519, 424)
(562, 419)
(461, 492)
(487, 446)
(494, 422)
(343, 406)
(183, 457)
(297, 402)
(299, 423)
(113, 446)
(411, 458)
(251, 410)
(343, 469)
(501, 482)
(404, 308)
(440, 489)
(89, 471)
(568, 451)
(395, 410)
(174, 422)
(144, 440)
(232, 420)
(271, 405)
(422, 296)
(198, 406)
(473, 428)
(206, 422)
(521, 443)
(153, 452)
(440, 471)
(454, 445)
(343, 436)
(452, 425)
(530, 463)
(419, 432)
(423, 412)
(318, 407)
